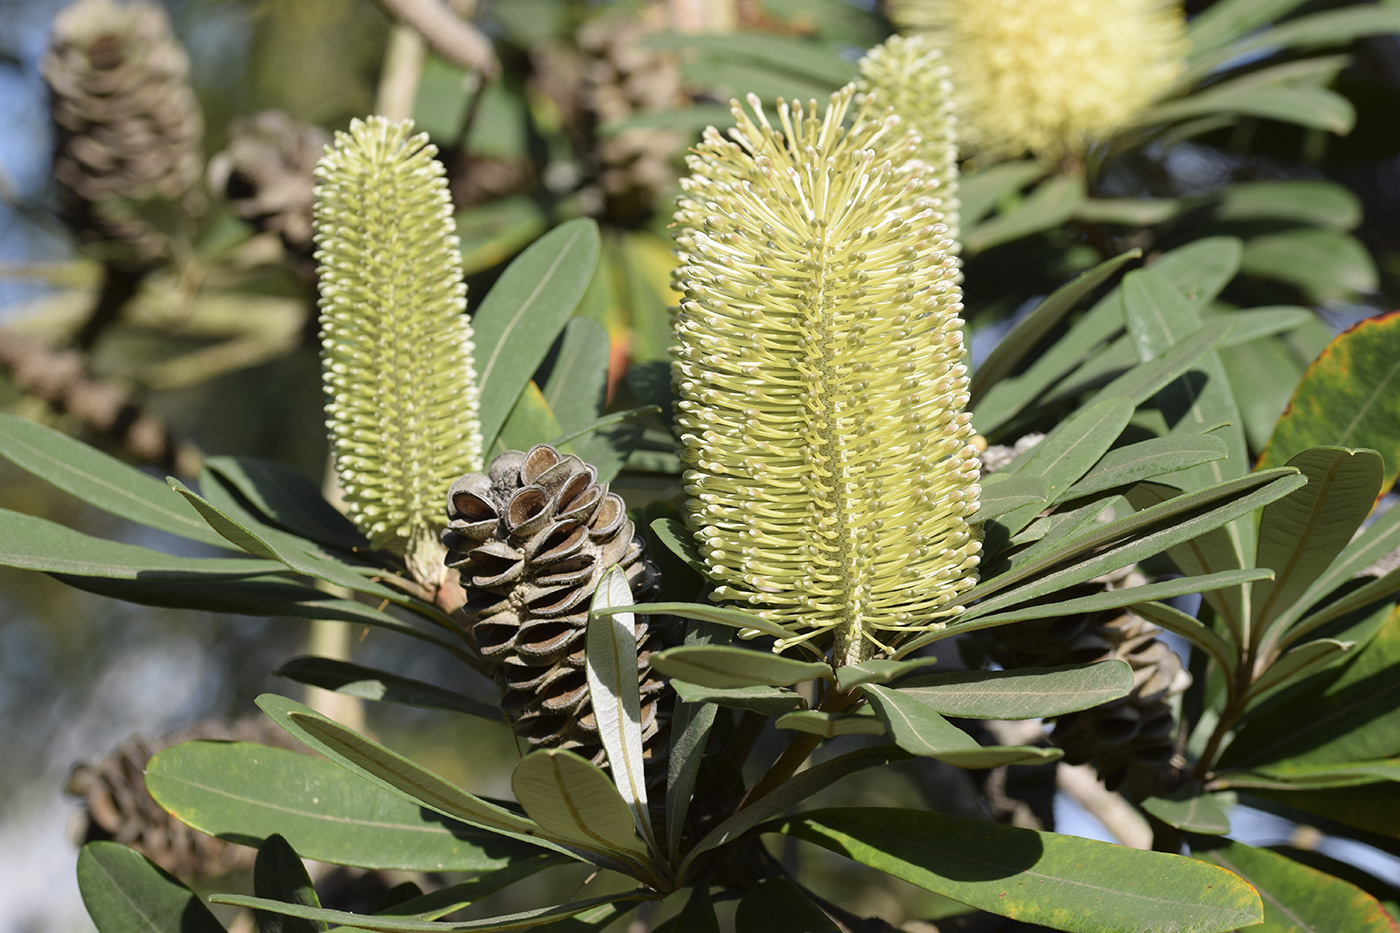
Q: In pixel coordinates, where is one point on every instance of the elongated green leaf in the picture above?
(1191, 810)
(530, 422)
(1064, 882)
(1130, 212)
(279, 875)
(572, 798)
(1200, 270)
(723, 666)
(1145, 380)
(525, 310)
(1008, 495)
(1348, 397)
(398, 775)
(32, 543)
(680, 542)
(1303, 200)
(1387, 894)
(1027, 693)
(1301, 535)
(918, 729)
(691, 721)
(578, 379)
(830, 725)
(1303, 661)
(1229, 20)
(1326, 266)
(369, 684)
(1032, 328)
(289, 499)
(698, 914)
(1380, 537)
(746, 622)
(1371, 811)
(1305, 104)
(98, 479)
(1147, 459)
(125, 892)
(244, 793)
(1363, 597)
(788, 795)
(1191, 629)
(878, 671)
(1051, 203)
(764, 700)
(1298, 899)
(1328, 28)
(617, 703)
(454, 897)
(1352, 715)
(980, 191)
(1347, 774)
(390, 924)
(776, 905)
(1256, 323)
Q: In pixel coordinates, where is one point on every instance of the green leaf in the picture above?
(278, 874)
(1257, 323)
(1023, 337)
(691, 721)
(1349, 397)
(1299, 663)
(1228, 20)
(572, 798)
(1387, 894)
(525, 310)
(878, 671)
(1129, 212)
(1143, 381)
(1326, 266)
(98, 479)
(370, 684)
(764, 700)
(530, 422)
(611, 655)
(578, 378)
(1052, 203)
(125, 892)
(1201, 269)
(1063, 882)
(454, 897)
(38, 544)
(1194, 631)
(398, 775)
(1378, 539)
(698, 914)
(1301, 535)
(916, 728)
(979, 192)
(789, 794)
(1332, 27)
(1298, 899)
(776, 905)
(390, 924)
(680, 542)
(1001, 496)
(289, 499)
(244, 793)
(1362, 598)
(1148, 459)
(747, 623)
(1190, 810)
(1028, 693)
(1304, 104)
(724, 666)
(830, 725)
(1303, 200)
(1347, 774)
(1373, 809)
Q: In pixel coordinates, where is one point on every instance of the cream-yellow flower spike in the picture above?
(1049, 77)
(819, 368)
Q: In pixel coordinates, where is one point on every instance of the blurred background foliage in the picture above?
(195, 334)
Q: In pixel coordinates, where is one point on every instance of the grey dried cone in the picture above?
(1130, 741)
(127, 123)
(116, 805)
(267, 172)
(621, 78)
(531, 539)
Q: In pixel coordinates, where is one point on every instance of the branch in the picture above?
(447, 34)
(59, 378)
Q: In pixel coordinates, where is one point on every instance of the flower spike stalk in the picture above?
(1050, 77)
(396, 346)
(819, 368)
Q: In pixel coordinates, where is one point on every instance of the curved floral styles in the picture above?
(819, 366)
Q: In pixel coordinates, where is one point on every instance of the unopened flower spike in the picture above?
(1050, 78)
(819, 367)
(396, 345)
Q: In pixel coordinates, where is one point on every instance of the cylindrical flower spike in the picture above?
(396, 345)
(1050, 77)
(819, 368)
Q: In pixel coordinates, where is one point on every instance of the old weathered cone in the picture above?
(531, 539)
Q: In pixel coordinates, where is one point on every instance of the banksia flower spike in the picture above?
(1050, 77)
(396, 345)
(819, 366)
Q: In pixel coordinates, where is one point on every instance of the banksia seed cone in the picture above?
(267, 172)
(1130, 741)
(1050, 77)
(116, 805)
(396, 345)
(819, 367)
(532, 539)
(127, 123)
(623, 78)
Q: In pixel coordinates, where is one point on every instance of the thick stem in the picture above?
(798, 750)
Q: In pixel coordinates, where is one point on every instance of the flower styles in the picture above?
(396, 345)
(819, 368)
(1050, 77)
